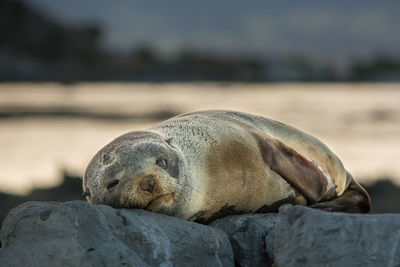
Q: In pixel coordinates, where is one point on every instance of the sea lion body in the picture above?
(203, 165)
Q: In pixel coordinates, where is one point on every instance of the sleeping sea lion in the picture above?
(203, 165)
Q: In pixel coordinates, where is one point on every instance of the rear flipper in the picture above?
(354, 200)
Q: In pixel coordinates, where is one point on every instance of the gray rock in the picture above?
(309, 237)
(80, 234)
(251, 237)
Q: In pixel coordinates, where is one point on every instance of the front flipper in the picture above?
(298, 171)
(354, 199)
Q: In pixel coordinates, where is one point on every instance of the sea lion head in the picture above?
(140, 169)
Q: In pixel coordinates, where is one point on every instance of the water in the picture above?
(359, 122)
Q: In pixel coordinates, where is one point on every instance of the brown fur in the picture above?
(235, 165)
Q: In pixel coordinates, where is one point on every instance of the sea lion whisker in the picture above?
(193, 188)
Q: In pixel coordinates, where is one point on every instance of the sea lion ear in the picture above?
(298, 171)
(169, 140)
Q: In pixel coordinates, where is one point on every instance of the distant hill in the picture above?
(71, 41)
(34, 46)
(337, 30)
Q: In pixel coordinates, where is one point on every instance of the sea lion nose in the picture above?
(148, 184)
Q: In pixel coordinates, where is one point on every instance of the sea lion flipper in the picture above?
(298, 171)
(355, 199)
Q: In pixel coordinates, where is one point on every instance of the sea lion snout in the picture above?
(154, 190)
(147, 184)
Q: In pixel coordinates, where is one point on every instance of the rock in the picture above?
(251, 237)
(309, 237)
(80, 234)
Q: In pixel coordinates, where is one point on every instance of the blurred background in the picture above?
(76, 74)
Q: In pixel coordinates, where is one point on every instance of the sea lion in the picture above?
(203, 165)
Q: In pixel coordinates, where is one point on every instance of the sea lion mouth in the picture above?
(165, 199)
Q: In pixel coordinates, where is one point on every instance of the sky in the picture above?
(325, 30)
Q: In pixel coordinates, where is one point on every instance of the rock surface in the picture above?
(80, 234)
(251, 237)
(308, 237)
